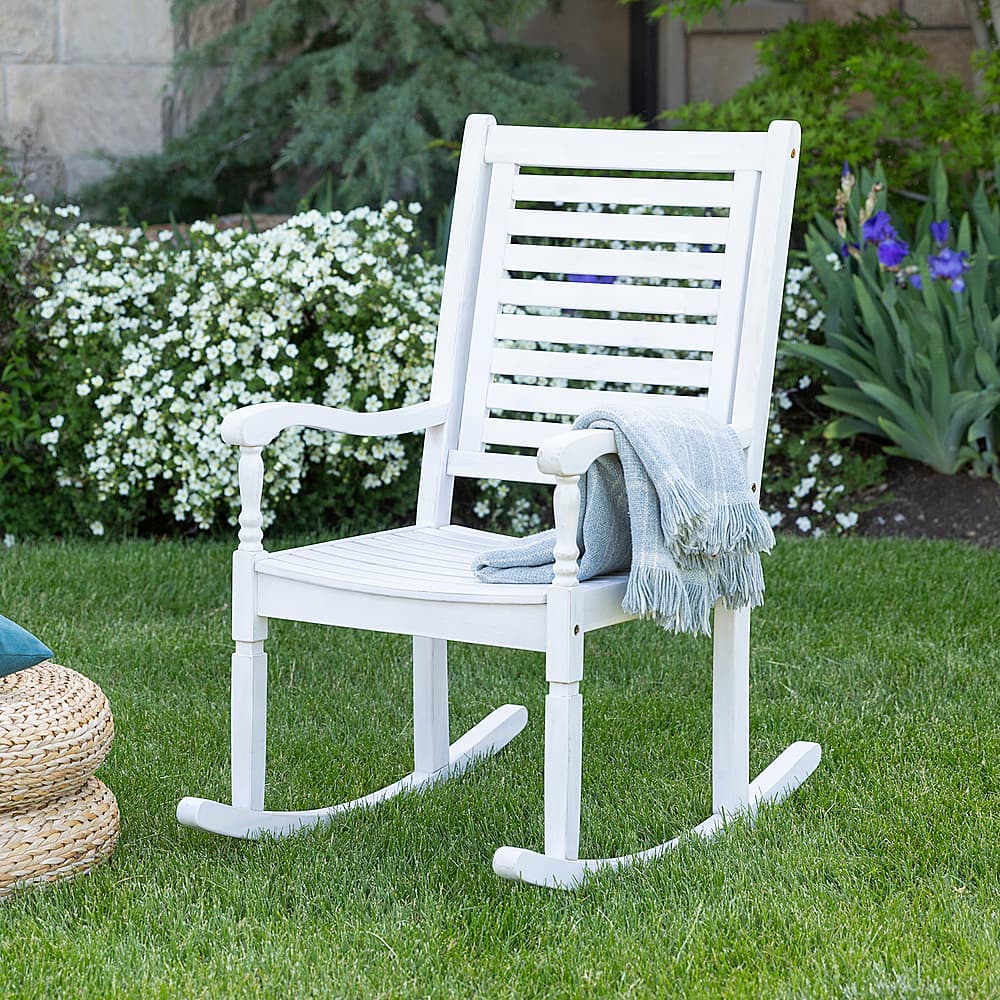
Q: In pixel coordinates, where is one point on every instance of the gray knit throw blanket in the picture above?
(673, 507)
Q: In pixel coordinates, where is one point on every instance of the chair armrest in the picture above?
(257, 425)
(572, 453)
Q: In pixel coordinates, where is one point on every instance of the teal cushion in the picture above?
(19, 649)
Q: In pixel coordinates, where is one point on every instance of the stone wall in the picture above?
(81, 80)
(711, 61)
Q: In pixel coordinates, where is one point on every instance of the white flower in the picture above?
(9, 541)
(775, 517)
(803, 523)
(96, 528)
(835, 459)
(846, 521)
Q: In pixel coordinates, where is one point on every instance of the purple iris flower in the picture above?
(878, 228)
(916, 281)
(940, 231)
(892, 251)
(949, 264)
(592, 279)
(847, 169)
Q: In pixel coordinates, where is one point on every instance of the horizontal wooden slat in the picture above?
(624, 191)
(520, 433)
(602, 367)
(485, 465)
(609, 149)
(652, 299)
(547, 399)
(626, 263)
(641, 334)
(701, 229)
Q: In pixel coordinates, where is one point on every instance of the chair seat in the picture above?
(433, 564)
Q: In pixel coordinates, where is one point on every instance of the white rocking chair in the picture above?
(418, 580)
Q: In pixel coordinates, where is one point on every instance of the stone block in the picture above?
(594, 36)
(949, 51)
(754, 15)
(28, 30)
(83, 170)
(83, 109)
(44, 176)
(116, 31)
(837, 10)
(718, 65)
(937, 13)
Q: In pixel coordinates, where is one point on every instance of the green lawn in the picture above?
(879, 878)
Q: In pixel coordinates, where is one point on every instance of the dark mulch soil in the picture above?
(922, 503)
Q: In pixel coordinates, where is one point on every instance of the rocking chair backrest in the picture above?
(557, 247)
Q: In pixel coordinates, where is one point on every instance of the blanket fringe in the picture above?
(659, 593)
(738, 527)
(685, 519)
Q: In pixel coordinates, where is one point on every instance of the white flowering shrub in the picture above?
(163, 341)
(140, 347)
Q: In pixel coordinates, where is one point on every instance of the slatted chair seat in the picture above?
(418, 575)
(423, 564)
(585, 268)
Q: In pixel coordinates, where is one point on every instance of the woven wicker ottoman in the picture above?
(56, 818)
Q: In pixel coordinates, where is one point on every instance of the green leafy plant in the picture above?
(31, 376)
(862, 91)
(912, 328)
(360, 93)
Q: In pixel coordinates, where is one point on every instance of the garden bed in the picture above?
(921, 503)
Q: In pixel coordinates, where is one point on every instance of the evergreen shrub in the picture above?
(358, 98)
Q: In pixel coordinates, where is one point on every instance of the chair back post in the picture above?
(458, 302)
(765, 291)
